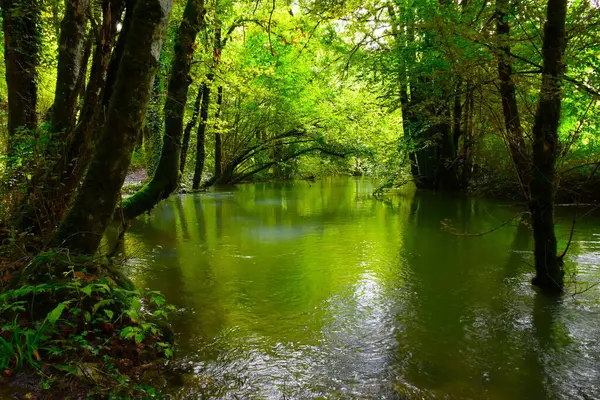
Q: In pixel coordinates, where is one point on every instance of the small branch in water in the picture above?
(453, 231)
(586, 289)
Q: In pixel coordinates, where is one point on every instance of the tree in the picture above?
(166, 177)
(548, 266)
(68, 153)
(510, 109)
(70, 63)
(82, 228)
(21, 48)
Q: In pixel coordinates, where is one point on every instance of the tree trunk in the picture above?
(21, 47)
(446, 175)
(467, 142)
(548, 267)
(82, 228)
(166, 177)
(514, 131)
(70, 63)
(51, 190)
(117, 54)
(77, 158)
(83, 72)
(218, 150)
(200, 153)
(187, 133)
(457, 115)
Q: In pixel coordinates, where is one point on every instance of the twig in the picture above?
(452, 231)
(269, 28)
(586, 289)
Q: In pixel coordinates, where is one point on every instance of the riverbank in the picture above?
(85, 332)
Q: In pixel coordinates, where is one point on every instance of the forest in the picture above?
(117, 116)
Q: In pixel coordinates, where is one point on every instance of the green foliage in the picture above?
(86, 320)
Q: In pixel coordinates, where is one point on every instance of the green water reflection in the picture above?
(319, 291)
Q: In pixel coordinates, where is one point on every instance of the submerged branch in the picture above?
(453, 231)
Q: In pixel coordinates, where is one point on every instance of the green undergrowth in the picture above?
(79, 331)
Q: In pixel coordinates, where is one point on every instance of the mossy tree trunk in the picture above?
(78, 155)
(82, 228)
(166, 177)
(21, 20)
(548, 267)
(51, 190)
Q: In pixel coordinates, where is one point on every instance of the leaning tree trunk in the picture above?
(548, 267)
(82, 228)
(166, 177)
(200, 153)
(514, 131)
(21, 47)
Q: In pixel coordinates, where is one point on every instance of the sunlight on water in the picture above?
(319, 291)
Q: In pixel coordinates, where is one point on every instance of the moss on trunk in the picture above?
(166, 177)
(21, 20)
(82, 228)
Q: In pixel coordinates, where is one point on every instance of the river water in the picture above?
(316, 290)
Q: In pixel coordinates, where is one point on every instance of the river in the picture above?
(317, 290)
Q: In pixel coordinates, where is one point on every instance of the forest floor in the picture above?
(85, 333)
(135, 177)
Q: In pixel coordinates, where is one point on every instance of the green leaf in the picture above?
(158, 300)
(133, 315)
(128, 332)
(55, 314)
(101, 303)
(87, 290)
(87, 316)
(139, 337)
(136, 304)
(109, 313)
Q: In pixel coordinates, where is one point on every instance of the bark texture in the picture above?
(82, 228)
(514, 131)
(166, 177)
(51, 190)
(70, 62)
(78, 154)
(21, 19)
(548, 267)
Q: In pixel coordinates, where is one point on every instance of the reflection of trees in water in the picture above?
(182, 220)
(458, 335)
